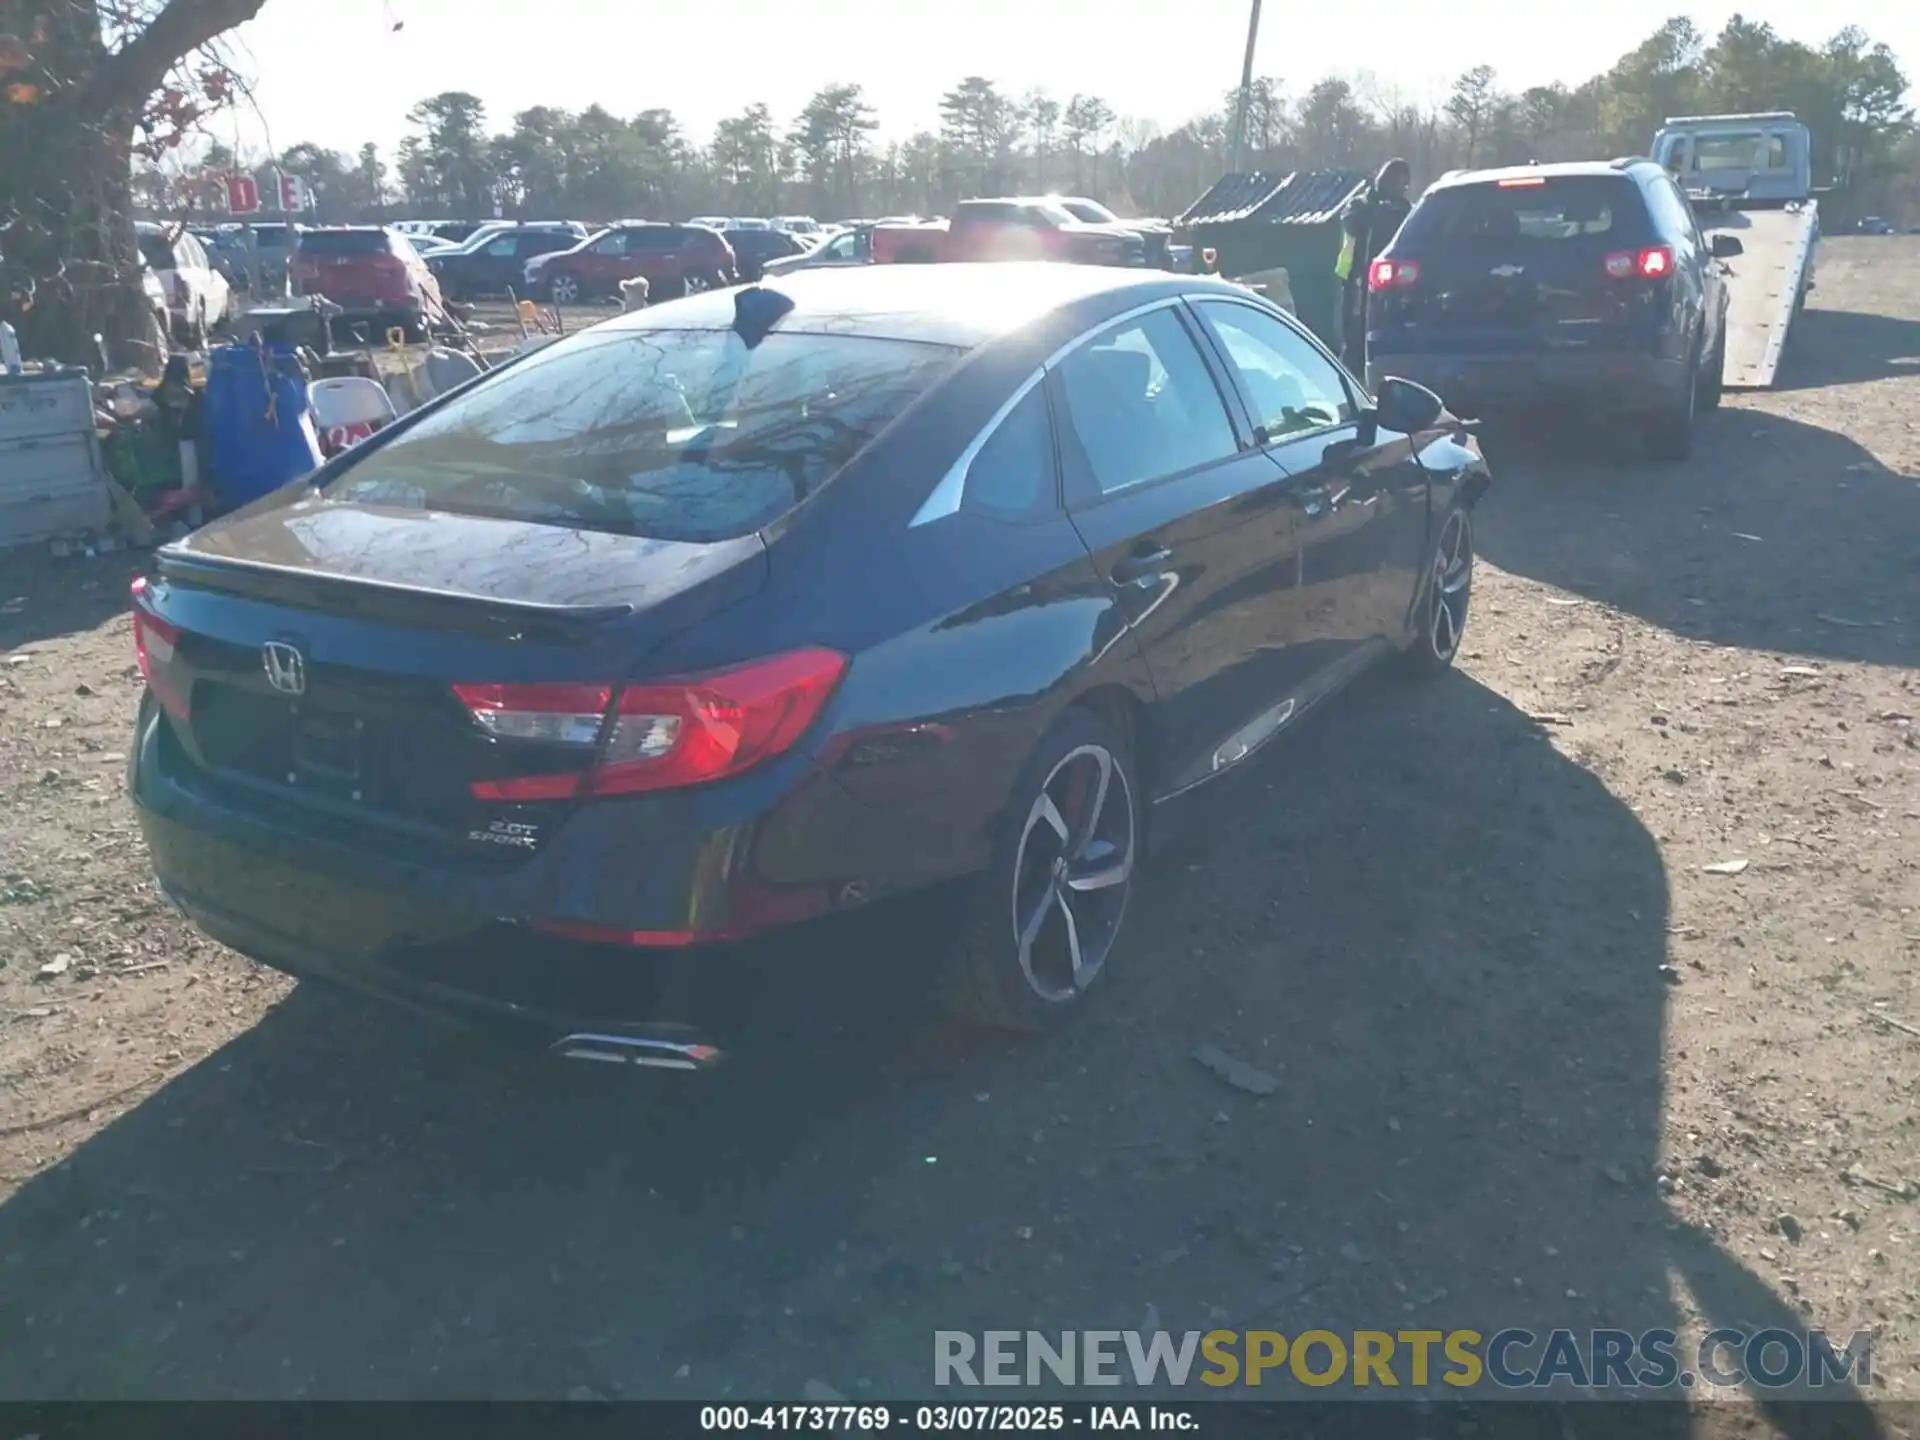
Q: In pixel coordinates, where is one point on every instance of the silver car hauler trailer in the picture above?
(1751, 176)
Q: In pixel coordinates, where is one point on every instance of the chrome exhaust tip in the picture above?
(655, 1054)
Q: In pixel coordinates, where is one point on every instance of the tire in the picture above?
(1032, 916)
(1441, 622)
(1713, 374)
(563, 289)
(1669, 433)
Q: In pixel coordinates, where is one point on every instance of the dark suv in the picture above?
(490, 263)
(1583, 285)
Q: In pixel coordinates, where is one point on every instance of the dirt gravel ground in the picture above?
(1541, 1058)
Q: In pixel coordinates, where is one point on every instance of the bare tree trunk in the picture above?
(67, 124)
(72, 238)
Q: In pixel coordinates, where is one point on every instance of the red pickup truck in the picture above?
(1021, 228)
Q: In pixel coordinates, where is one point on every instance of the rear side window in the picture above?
(1013, 473)
(673, 434)
(1671, 212)
(1558, 208)
(1141, 404)
(155, 251)
(659, 237)
(344, 242)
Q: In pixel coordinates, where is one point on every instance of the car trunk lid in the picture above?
(315, 647)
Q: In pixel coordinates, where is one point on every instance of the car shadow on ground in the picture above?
(43, 597)
(1776, 535)
(1437, 934)
(1846, 347)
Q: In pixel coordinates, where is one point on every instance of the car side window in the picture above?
(839, 248)
(1014, 472)
(610, 244)
(1688, 219)
(1671, 213)
(504, 247)
(1141, 403)
(1291, 386)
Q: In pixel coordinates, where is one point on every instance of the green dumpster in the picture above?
(1259, 221)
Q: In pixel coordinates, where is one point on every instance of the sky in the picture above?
(336, 73)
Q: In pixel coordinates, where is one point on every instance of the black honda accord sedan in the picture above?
(771, 602)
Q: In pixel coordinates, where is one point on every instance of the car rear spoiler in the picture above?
(384, 600)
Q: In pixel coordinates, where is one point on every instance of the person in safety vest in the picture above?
(1367, 224)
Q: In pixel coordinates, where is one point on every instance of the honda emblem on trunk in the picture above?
(286, 667)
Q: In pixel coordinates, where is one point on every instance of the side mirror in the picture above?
(1405, 407)
(1725, 247)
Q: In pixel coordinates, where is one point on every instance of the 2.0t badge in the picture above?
(286, 667)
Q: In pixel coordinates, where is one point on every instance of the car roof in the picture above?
(1556, 170)
(962, 305)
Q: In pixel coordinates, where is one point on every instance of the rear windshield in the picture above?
(156, 252)
(1561, 208)
(672, 434)
(344, 242)
(1746, 151)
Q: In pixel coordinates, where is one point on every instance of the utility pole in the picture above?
(1237, 148)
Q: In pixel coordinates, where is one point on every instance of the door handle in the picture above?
(1143, 564)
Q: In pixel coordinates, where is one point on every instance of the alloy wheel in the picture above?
(565, 289)
(1072, 871)
(1452, 586)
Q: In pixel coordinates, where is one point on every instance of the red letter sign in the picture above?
(243, 196)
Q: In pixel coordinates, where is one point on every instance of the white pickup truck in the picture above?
(1752, 177)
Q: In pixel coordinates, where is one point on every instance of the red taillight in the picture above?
(1392, 274)
(659, 735)
(154, 643)
(1653, 263)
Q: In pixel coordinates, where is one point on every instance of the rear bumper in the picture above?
(1479, 384)
(677, 874)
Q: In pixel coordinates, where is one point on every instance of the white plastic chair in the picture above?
(347, 409)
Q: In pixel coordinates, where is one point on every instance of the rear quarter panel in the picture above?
(969, 635)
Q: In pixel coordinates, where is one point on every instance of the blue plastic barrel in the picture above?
(259, 433)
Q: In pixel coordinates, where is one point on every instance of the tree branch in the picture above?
(137, 69)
